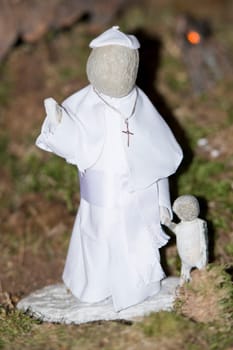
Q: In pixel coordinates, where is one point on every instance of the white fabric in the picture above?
(101, 188)
(153, 153)
(114, 36)
(117, 233)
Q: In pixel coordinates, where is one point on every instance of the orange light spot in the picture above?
(194, 37)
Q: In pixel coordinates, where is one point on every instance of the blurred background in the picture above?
(185, 69)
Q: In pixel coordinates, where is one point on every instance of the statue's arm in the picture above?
(58, 132)
(171, 225)
(164, 201)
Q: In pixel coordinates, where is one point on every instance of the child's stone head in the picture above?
(186, 207)
(113, 63)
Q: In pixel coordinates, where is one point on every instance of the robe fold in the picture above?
(114, 248)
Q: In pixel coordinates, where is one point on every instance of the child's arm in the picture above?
(204, 243)
(171, 225)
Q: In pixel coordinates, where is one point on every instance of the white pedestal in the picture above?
(55, 304)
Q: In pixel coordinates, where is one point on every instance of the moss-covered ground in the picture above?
(39, 192)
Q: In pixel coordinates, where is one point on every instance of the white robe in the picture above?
(117, 233)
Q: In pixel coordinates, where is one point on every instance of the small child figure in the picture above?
(191, 235)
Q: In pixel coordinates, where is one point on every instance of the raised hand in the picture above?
(53, 110)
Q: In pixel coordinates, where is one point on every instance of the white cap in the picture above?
(114, 36)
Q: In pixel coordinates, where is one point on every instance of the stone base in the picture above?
(55, 304)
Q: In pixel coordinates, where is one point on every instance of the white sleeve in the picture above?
(60, 138)
(164, 195)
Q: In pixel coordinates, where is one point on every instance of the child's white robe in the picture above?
(117, 233)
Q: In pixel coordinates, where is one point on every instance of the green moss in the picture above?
(176, 83)
(4, 141)
(173, 264)
(219, 340)
(194, 132)
(4, 93)
(14, 324)
(51, 35)
(7, 160)
(170, 330)
(52, 176)
(230, 115)
(201, 179)
(164, 324)
(102, 335)
(69, 72)
(135, 17)
(162, 330)
(204, 179)
(229, 249)
(5, 85)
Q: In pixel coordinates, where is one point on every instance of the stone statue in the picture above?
(124, 152)
(191, 235)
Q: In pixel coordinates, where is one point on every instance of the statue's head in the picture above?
(186, 207)
(113, 63)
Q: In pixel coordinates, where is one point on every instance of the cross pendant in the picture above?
(127, 132)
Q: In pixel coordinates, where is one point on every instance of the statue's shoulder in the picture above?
(73, 102)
